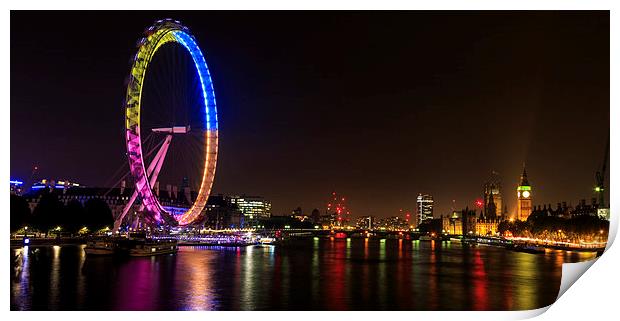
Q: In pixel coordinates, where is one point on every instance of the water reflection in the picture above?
(315, 269)
(335, 282)
(247, 286)
(432, 294)
(366, 273)
(313, 274)
(381, 281)
(137, 287)
(55, 276)
(21, 276)
(81, 279)
(197, 278)
(525, 286)
(480, 282)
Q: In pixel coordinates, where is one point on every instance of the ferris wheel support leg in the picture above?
(152, 171)
(161, 155)
(119, 219)
(157, 163)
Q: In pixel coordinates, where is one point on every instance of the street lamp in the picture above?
(26, 239)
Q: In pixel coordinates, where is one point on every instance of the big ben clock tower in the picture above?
(524, 198)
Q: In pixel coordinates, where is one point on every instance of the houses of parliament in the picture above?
(493, 210)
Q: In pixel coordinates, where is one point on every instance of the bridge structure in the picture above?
(341, 233)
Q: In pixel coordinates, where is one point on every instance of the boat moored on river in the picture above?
(100, 247)
(150, 247)
(532, 249)
(136, 244)
(267, 241)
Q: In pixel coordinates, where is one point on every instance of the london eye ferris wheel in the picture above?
(171, 128)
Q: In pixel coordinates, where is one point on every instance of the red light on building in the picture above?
(479, 203)
(336, 207)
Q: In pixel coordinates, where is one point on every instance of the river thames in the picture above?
(309, 274)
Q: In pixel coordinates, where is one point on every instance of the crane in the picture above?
(600, 179)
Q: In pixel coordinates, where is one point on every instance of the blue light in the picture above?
(203, 73)
(26, 241)
(16, 182)
(38, 186)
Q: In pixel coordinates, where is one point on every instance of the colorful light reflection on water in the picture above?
(313, 274)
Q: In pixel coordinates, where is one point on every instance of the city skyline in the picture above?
(290, 106)
(306, 160)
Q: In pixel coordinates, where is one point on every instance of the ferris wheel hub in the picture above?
(173, 130)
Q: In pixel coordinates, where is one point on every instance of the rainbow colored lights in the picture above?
(165, 31)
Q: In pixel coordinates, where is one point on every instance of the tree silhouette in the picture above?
(48, 212)
(74, 217)
(503, 227)
(98, 214)
(19, 213)
(542, 226)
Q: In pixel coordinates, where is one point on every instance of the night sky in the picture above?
(378, 106)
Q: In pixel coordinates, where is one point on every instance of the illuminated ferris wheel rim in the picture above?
(162, 32)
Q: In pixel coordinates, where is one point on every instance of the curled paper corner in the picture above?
(571, 272)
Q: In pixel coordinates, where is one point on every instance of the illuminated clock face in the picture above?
(526, 194)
